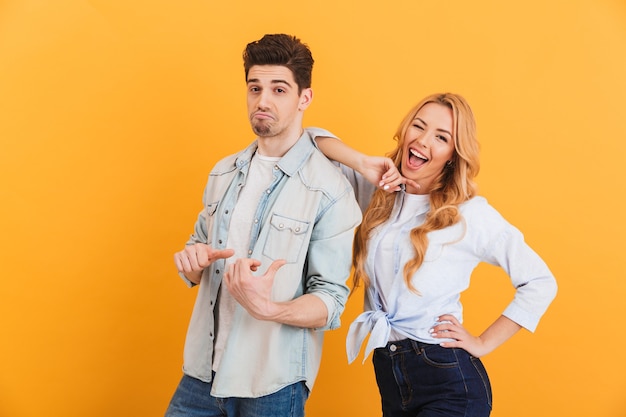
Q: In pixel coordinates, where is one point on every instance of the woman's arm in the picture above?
(338, 151)
(499, 332)
(535, 286)
(378, 170)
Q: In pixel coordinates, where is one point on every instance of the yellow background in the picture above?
(112, 112)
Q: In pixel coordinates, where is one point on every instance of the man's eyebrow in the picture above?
(277, 81)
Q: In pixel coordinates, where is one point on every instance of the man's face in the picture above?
(274, 106)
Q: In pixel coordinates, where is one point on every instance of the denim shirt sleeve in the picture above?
(199, 235)
(203, 226)
(330, 257)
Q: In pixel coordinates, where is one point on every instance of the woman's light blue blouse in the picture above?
(392, 311)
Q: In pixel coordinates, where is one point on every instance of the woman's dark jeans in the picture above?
(424, 380)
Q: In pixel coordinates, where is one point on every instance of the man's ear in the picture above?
(306, 97)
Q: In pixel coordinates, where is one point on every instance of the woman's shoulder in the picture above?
(478, 209)
(475, 204)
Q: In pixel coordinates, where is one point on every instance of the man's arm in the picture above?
(254, 294)
(192, 260)
(327, 268)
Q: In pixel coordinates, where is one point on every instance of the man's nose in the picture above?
(263, 100)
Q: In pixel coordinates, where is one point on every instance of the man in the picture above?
(271, 252)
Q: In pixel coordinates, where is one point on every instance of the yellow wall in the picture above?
(113, 111)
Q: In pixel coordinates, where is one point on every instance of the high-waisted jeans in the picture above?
(425, 380)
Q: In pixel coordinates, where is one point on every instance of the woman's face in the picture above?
(428, 145)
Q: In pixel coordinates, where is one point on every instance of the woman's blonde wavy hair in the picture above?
(454, 185)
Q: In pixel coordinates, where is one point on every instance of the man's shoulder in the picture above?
(229, 163)
(320, 172)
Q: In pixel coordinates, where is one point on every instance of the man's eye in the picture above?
(280, 90)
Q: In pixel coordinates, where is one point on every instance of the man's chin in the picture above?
(262, 130)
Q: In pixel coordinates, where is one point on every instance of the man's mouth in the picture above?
(262, 116)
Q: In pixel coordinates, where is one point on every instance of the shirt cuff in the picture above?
(332, 321)
(186, 280)
(522, 317)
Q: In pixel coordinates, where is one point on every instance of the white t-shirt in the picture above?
(260, 176)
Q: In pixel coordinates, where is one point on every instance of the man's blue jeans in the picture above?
(193, 399)
(426, 380)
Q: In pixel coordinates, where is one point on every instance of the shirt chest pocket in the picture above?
(286, 238)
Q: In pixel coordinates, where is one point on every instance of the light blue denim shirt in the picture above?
(482, 236)
(307, 216)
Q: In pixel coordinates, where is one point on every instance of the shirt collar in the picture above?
(290, 163)
(299, 153)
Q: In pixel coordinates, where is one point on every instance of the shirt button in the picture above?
(297, 229)
(281, 226)
(249, 252)
(256, 221)
(393, 348)
(267, 191)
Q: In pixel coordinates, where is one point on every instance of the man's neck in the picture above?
(277, 146)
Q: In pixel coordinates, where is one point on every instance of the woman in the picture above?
(415, 251)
